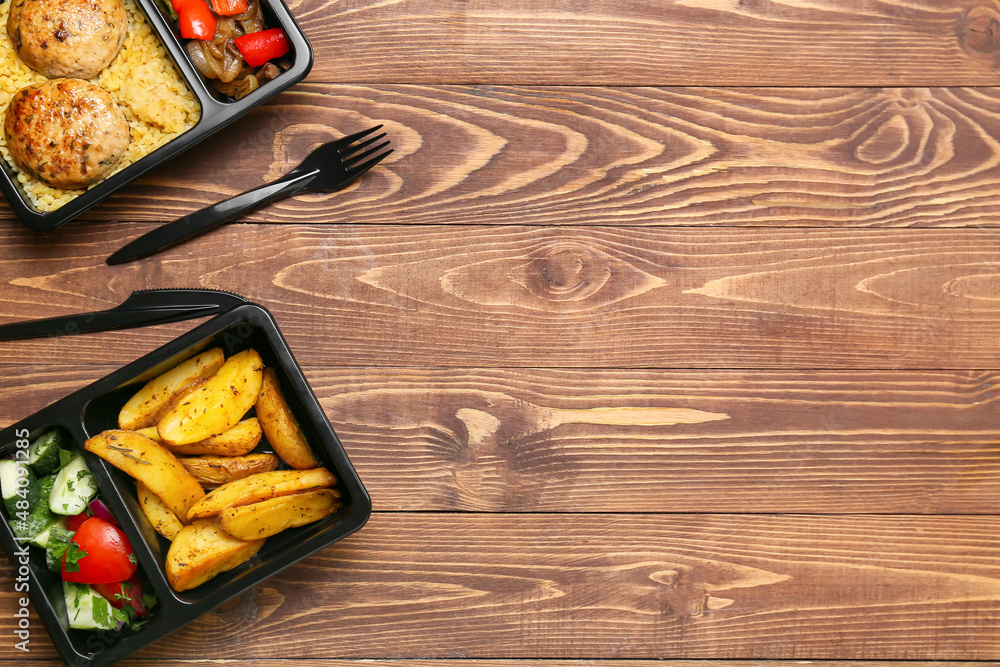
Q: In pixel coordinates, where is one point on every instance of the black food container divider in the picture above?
(217, 111)
(95, 408)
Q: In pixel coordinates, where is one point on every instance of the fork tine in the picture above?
(346, 153)
(362, 168)
(354, 159)
(343, 141)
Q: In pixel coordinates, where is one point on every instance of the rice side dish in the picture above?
(142, 80)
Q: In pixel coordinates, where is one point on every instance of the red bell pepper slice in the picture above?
(229, 7)
(259, 47)
(194, 19)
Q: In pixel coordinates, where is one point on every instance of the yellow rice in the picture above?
(143, 81)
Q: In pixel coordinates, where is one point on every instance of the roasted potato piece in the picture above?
(203, 550)
(164, 521)
(262, 486)
(141, 409)
(151, 433)
(212, 471)
(152, 464)
(216, 406)
(237, 441)
(179, 397)
(280, 427)
(269, 517)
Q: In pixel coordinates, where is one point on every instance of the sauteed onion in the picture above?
(220, 60)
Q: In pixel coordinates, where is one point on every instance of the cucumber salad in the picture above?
(52, 502)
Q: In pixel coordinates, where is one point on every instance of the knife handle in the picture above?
(68, 325)
(141, 308)
(210, 217)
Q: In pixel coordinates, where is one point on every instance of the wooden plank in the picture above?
(632, 441)
(591, 156)
(536, 663)
(451, 662)
(622, 586)
(649, 42)
(548, 297)
(536, 440)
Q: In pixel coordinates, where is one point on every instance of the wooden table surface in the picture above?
(670, 331)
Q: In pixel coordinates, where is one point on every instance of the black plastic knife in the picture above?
(143, 307)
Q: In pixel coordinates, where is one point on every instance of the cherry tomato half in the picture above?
(101, 553)
(123, 593)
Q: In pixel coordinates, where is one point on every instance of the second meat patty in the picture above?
(68, 132)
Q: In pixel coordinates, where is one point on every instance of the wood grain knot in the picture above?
(887, 142)
(683, 594)
(975, 287)
(569, 272)
(243, 611)
(906, 133)
(562, 275)
(959, 287)
(979, 29)
(289, 145)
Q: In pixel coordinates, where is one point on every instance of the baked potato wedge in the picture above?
(142, 408)
(217, 405)
(164, 521)
(280, 427)
(212, 471)
(270, 517)
(262, 486)
(203, 550)
(152, 464)
(179, 397)
(151, 433)
(237, 441)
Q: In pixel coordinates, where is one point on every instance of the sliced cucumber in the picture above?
(88, 609)
(19, 488)
(41, 538)
(45, 485)
(65, 456)
(43, 454)
(73, 488)
(42, 518)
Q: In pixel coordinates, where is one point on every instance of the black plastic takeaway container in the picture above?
(95, 408)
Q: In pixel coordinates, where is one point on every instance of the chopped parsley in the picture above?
(125, 595)
(74, 552)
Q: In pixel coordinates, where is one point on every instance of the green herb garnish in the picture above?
(74, 552)
(126, 452)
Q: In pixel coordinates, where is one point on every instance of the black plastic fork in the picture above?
(332, 166)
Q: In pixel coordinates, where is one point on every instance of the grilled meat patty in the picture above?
(67, 38)
(68, 132)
